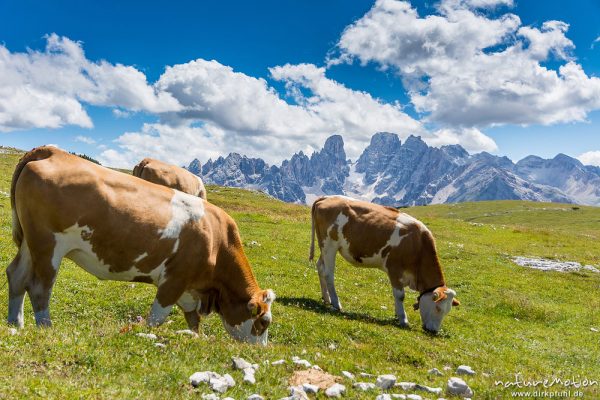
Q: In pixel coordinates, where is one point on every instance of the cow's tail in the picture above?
(39, 153)
(311, 256)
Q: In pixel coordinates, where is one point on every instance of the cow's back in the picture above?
(168, 175)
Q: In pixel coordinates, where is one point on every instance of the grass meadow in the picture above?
(513, 320)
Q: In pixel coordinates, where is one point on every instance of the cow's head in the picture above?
(434, 306)
(249, 322)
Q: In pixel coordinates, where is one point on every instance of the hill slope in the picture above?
(512, 319)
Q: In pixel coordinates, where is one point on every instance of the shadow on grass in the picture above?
(319, 307)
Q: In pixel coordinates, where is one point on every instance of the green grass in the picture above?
(512, 319)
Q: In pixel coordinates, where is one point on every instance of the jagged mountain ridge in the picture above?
(393, 173)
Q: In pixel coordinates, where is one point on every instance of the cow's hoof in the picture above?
(404, 324)
(337, 308)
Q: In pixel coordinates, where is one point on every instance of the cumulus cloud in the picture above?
(85, 139)
(48, 89)
(241, 113)
(590, 158)
(472, 139)
(466, 68)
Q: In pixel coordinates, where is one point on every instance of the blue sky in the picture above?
(91, 77)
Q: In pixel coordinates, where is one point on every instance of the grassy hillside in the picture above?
(512, 319)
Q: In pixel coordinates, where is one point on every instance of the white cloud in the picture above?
(595, 41)
(85, 139)
(47, 89)
(590, 158)
(465, 68)
(472, 139)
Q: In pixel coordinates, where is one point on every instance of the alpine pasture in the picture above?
(512, 320)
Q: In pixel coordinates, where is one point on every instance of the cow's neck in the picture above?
(236, 278)
(429, 275)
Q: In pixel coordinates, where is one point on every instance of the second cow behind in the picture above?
(168, 175)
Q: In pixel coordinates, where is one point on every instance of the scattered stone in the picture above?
(297, 393)
(364, 386)
(301, 362)
(14, 331)
(465, 370)
(150, 336)
(274, 258)
(278, 362)
(413, 397)
(550, 265)
(210, 396)
(591, 329)
(255, 397)
(311, 389)
(485, 375)
(199, 377)
(407, 386)
(186, 332)
(160, 345)
(435, 371)
(249, 376)
(458, 387)
(216, 382)
(447, 368)
(385, 381)
(332, 346)
(428, 389)
(365, 375)
(348, 375)
(336, 390)
(315, 366)
(253, 243)
(240, 363)
(398, 396)
(384, 396)
(228, 398)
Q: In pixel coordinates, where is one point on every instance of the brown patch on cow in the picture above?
(125, 216)
(168, 175)
(143, 279)
(333, 232)
(315, 377)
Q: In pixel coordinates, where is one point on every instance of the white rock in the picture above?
(335, 390)
(429, 389)
(364, 386)
(465, 370)
(255, 367)
(14, 331)
(297, 393)
(385, 381)
(447, 368)
(229, 379)
(365, 375)
(255, 397)
(311, 389)
(458, 387)
(384, 396)
(219, 385)
(332, 346)
(302, 363)
(278, 362)
(187, 332)
(228, 398)
(198, 377)
(413, 397)
(398, 396)
(249, 376)
(210, 396)
(150, 336)
(315, 366)
(240, 363)
(160, 345)
(591, 329)
(406, 386)
(348, 375)
(435, 371)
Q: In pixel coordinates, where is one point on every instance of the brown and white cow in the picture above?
(370, 235)
(120, 227)
(172, 176)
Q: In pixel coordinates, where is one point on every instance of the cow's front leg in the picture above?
(169, 291)
(328, 274)
(189, 306)
(399, 303)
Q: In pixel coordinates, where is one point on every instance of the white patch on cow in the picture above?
(184, 208)
(243, 332)
(269, 297)
(200, 185)
(70, 243)
(176, 246)
(188, 303)
(432, 313)
(399, 304)
(140, 257)
(158, 313)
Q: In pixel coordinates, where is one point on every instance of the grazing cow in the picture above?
(168, 175)
(370, 235)
(119, 227)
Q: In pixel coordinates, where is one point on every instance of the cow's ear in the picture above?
(269, 296)
(455, 302)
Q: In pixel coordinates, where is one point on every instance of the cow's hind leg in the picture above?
(323, 281)
(45, 261)
(399, 303)
(18, 274)
(328, 253)
(189, 306)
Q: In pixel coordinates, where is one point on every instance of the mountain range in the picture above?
(397, 174)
